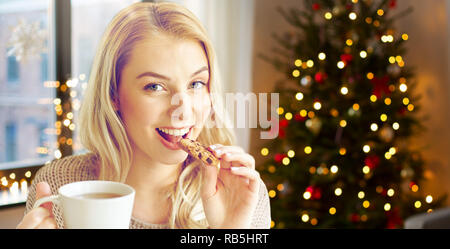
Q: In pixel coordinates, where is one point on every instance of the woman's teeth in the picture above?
(174, 132)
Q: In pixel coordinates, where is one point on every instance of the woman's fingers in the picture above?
(48, 223)
(240, 158)
(34, 218)
(220, 150)
(43, 190)
(233, 156)
(209, 186)
(251, 174)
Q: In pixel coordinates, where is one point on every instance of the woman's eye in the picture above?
(153, 87)
(197, 84)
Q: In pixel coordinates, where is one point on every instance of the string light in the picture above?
(291, 153)
(340, 64)
(343, 123)
(317, 105)
(298, 62)
(299, 96)
(303, 113)
(414, 188)
(308, 149)
(349, 42)
(366, 169)
(387, 101)
(322, 56)
(403, 87)
(272, 193)
(280, 110)
(390, 192)
(417, 204)
(296, 73)
(334, 169)
(366, 148)
(332, 210)
(288, 116)
(373, 98)
(405, 37)
(305, 218)
(405, 101)
(396, 126)
(387, 207)
(366, 204)
(264, 151)
(307, 195)
(352, 16)
(374, 127)
(429, 198)
(344, 90)
(363, 54)
(338, 191)
(310, 63)
(383, 117)
(328, 15)
(361, 194)
(380, 12)
(342, 151)
(286, 161)
(392, 59)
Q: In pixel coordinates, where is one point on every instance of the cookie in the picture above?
(198, 151)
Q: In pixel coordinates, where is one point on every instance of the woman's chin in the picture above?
(172, 157)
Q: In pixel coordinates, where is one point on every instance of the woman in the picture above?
(154, 80)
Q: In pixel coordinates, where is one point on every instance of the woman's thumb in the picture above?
(43, 190)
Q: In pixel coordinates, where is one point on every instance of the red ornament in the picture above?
(346, 58)
(299, 117)
(354, 218)
(372, 161)
(316, 6)
(320, 77)
(402, 111)
(316, 192)
(392, 4)
(284, 123)
(282, 133)
(380, 86)
(393, 219)
(279, 157)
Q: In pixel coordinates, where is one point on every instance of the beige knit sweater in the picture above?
(84, 167)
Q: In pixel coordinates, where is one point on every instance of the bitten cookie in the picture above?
(199, 152)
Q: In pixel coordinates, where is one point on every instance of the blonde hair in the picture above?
(101, 128)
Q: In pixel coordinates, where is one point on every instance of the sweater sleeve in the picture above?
(262, 218)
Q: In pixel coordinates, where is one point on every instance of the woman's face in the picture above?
(163, 96)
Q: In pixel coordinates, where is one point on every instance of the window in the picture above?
(10, 142)
(13, 70)
(96, 14)
(28, 113)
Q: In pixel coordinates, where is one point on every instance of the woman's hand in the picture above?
(230, 195)
(41, 217)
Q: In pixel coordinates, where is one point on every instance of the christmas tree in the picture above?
(347, 112)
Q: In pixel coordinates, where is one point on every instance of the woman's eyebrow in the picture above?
(156, 75)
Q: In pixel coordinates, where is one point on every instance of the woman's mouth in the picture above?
(170, 137)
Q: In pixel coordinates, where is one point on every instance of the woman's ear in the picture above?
(115, 104)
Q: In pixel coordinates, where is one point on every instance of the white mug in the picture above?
(93, 213)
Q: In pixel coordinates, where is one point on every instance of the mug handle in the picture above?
(53, 198)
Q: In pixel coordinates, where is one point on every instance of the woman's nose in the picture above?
(181, 109)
